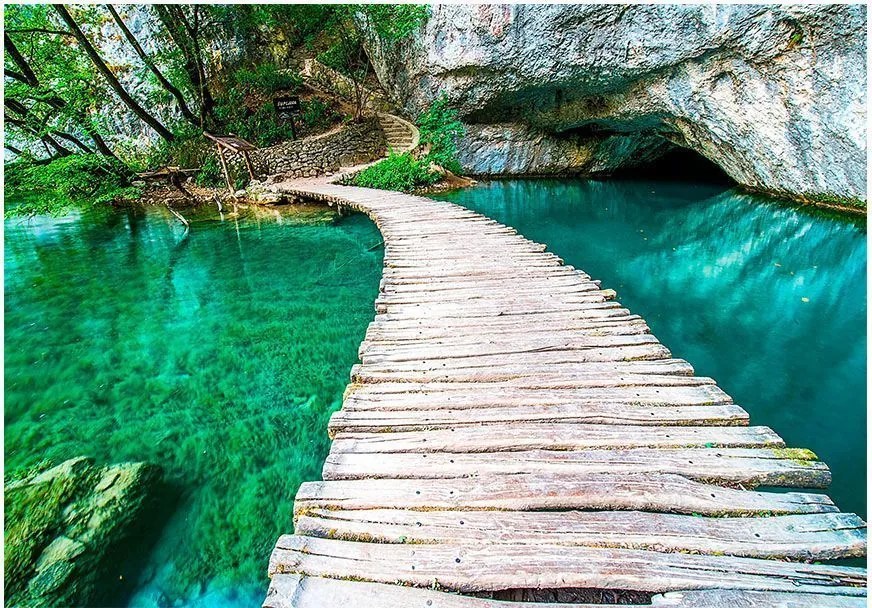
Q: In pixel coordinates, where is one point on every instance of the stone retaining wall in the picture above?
(345, 146)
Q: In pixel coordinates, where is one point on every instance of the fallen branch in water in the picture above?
(178, 215)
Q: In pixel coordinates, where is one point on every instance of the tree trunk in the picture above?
(184, 35)
(113, 82)
(166, 84)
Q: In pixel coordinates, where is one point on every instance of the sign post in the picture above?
(286, 107)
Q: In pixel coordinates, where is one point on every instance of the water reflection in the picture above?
(767, 299)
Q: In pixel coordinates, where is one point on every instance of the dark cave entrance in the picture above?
(679, 164)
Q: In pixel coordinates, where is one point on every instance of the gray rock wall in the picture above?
(774, 95)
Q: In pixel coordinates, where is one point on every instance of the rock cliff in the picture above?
(774, 95)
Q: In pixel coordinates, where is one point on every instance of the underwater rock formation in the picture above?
(774, 95)
(63, 526)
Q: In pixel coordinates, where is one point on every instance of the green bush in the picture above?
(399, 172)
(210, 174)
(317, 113)
(266, 78)
(440, 128)
(72, 180)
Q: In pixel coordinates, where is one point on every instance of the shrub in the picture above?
(72, 180)
(440, 128)
(266, 78)
(317, 113)
(210, 172)
(399, 172)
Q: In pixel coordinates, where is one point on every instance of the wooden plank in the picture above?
(795, 537)
(658, 492)
(489, 567)
(557, 375)
(589, 377)
(728, 466)
(638, 352)
(606, 310)
(295, 591)
(380, 421)
(380, 334)
(556, 436)
(455, 395)
(392, 351)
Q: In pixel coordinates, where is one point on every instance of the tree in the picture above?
(29, 90)
(164, 82)
(185, 33)
(353, 24)
(110, 78)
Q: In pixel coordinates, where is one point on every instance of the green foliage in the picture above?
(266, 78)
(440, 128)
(317, 113)
(210, 174)
(400, 172)
(72, 180)
(350, 24)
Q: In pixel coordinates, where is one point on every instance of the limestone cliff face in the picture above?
(774, 95)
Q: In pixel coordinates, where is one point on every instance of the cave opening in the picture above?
(679, 164)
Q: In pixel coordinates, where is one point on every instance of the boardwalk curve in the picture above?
(512, 431)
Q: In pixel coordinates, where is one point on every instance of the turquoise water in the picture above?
(767, 299)
(218, 354)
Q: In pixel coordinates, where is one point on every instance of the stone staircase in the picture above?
(402, 136)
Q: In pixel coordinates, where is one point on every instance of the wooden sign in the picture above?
(286, 107)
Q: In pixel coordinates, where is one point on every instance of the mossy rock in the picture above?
(62, 522)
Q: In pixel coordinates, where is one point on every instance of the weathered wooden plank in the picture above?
(370, 397)
(663, 493)
(530, 311)
(606, 310)
(556, 375)
(295, 591)
(379, 334)
(795, 537)
(552, 285)
(489, 567)
(731, 466)
(642, 352)
(555, 436)
(393, 351)
(380, 421)
(590, 376)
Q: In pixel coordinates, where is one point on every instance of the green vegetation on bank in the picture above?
(80, 79)
(439, 128)
(401, 172)
(75, 180)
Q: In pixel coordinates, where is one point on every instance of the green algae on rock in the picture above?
(64, 523)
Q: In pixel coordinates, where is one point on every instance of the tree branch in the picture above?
(110, 78)
(166, 84)
(38, 30)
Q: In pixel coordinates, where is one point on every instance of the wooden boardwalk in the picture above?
(514, 434)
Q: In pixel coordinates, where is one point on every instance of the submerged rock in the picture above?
(64, 524)
(774, 95)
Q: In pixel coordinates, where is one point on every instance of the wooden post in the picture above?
(226, 171)
(248, 164)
